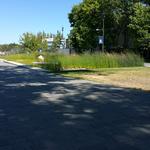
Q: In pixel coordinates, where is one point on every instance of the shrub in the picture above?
(52, 63)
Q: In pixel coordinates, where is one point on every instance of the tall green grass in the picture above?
(96, 60)
(57, 62)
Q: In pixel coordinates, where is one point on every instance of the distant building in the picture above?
(2, 53)
(62, 48)
(63, 43)
(49, 41)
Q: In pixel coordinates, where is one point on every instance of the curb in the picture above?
(23, 65)
(14, 63)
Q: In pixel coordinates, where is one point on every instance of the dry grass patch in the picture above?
(138, 78)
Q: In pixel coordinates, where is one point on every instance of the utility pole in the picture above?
(103, 44)
(102, 37)
(62, 32)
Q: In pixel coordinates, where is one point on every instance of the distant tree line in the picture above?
(127, 25)
(9, 47)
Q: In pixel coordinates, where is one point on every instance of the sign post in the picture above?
(101, 39)
(101, 42)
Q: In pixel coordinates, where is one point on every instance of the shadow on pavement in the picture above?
(40, 111)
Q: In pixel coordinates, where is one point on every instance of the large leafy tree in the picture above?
(33, 42)
(140, 26)
(87, 16)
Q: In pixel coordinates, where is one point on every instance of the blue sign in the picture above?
(101, 39)
(40, 50)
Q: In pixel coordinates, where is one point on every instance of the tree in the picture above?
(33, 42)
(140, 26)
(87, 16)
(82, 19)
(56, 42)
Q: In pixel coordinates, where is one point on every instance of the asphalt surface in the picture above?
(147, 64)
(41, 111)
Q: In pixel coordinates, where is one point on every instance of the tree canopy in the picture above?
(140, 25)
(122, 20)
(56, 42)
(32, 42)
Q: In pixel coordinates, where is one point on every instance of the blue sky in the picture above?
(19, 16)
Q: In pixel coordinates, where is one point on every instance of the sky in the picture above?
(20, 16)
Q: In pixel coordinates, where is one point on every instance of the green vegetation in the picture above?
(33, 42)
(53, 62)
(94, 61)
(22, 58)
(127, 25)
(57, 62)
(127, 37)
(10, 47)
(99, 67)
(140, 25)
(56, 42)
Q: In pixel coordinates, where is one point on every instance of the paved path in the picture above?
(147, 64)
(40, 111)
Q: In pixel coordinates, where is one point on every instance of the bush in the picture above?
(52, 63)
